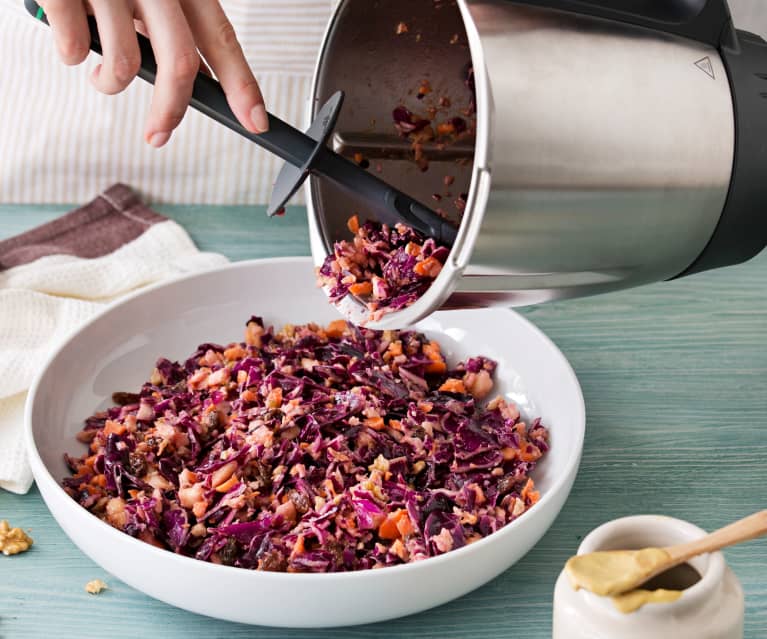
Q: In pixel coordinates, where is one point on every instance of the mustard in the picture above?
(613, 572)
(633, 600)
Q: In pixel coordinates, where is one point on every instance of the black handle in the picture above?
(701, 20)
(742, 230)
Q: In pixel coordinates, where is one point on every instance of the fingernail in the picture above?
(159, 139)
(259, 118)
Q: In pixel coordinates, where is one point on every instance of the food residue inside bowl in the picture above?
(311, 449)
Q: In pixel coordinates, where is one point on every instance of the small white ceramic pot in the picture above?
(712, 608)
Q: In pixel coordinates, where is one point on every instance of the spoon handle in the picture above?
(744, 529)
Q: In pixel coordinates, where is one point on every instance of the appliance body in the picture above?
(606, 150)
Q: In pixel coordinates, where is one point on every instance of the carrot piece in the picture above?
(433, 352)
(445, 128)
(437, 368)
(394, 350)
(396, 525)
(234, 353)
(376, 423)
(361, 288)
(453, 385)
(404, 525)
(529, 452)
(99, 480)
(426, 407)
(336, 328)
(413, 249)
(529, 494)
(430, 267)
(199, 508)
(388, 528)
(113, 427)
(509, 453)
(353, 224)
(228, 484)
(298, 547)
(249, 395)
(83, 470)
(395, 424)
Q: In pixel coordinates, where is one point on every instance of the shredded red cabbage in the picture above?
(387, 269)
(310, 450)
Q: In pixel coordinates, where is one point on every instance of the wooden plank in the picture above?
(675, 380)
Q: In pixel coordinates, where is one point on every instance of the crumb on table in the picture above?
(95, 587)
(13, 540)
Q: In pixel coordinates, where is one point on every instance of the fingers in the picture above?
(121, 59)
(69, 23)
(139, 26)
(176, 32)
(217, 41)
(177, 65)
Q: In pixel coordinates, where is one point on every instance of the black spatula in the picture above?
(304, 153)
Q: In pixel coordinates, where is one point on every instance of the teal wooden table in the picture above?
(675, 381)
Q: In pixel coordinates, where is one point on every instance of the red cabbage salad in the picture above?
(386, 268)
(310, 449)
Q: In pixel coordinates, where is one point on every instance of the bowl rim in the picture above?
(112, 535)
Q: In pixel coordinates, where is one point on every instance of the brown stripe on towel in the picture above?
(113, 219)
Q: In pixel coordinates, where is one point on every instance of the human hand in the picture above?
(181, 32)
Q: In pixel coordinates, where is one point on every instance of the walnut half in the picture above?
(13, 540)
(95, 587)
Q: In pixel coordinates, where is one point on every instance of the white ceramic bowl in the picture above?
(117, 350)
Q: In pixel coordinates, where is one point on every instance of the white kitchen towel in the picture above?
(56, 277)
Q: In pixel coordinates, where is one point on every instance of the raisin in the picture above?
(123, 399)
(136, 464)
(153, 441)
(273, 561)
(86, 436)
(257, 471)
(230, 552)
(335, 548)
(506, 485)
(179, 387)
(300, 501)
(213, 420)
(438, 502)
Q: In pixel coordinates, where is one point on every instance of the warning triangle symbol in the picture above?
(704, 64)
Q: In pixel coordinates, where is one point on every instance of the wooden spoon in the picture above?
(614, 572)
